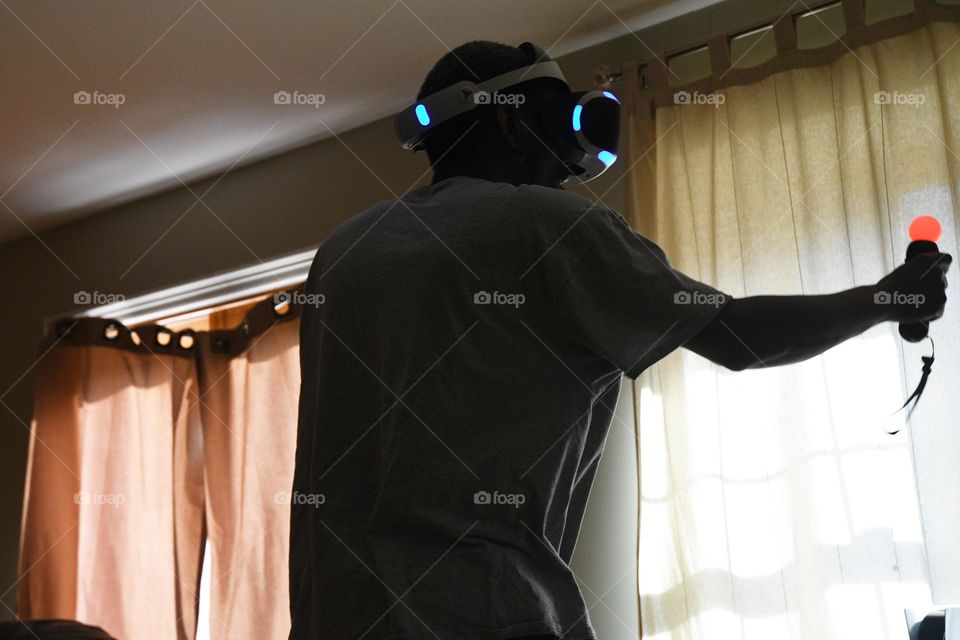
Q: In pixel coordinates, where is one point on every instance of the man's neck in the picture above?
(443, 175)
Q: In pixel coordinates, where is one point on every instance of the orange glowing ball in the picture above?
(925, 228)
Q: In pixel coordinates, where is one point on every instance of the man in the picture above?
(460, 377)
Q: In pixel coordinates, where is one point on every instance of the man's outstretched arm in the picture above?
(776, 330)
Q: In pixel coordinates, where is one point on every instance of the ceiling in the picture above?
(184, 89)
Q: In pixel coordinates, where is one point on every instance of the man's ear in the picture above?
(509, 128)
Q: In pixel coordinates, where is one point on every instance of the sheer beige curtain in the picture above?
(773, 502)
(144, 444)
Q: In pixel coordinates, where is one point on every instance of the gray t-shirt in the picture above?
(461, 357)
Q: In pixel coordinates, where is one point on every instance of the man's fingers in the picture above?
(944, 261)
(927, 261)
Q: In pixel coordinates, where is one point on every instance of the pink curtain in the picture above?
(143, 444)
(249, 415)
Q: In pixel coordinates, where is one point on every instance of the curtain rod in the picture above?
(605, 75)
(788, 56)
(223, 287)
(654, 73)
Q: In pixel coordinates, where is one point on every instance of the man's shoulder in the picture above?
(360, 223)
(559, 200)
(551, 209)
(505, 205)
(559, 208)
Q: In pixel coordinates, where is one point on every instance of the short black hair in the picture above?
(475, 61)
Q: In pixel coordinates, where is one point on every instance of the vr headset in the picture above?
(583, 128)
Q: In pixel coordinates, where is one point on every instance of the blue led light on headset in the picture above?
(422, 116)
(583, 128)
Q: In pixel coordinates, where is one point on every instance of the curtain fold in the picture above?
(249, 413)
(145, 444)
(111, 517)
(773, 502)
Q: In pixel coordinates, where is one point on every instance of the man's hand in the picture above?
(916, 290)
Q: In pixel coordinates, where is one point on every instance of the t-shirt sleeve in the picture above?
(622, 296)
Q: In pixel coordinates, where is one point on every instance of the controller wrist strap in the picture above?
(915, 396)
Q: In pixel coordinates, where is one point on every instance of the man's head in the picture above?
(503, 142)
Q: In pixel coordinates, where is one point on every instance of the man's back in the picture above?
(458, 381)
